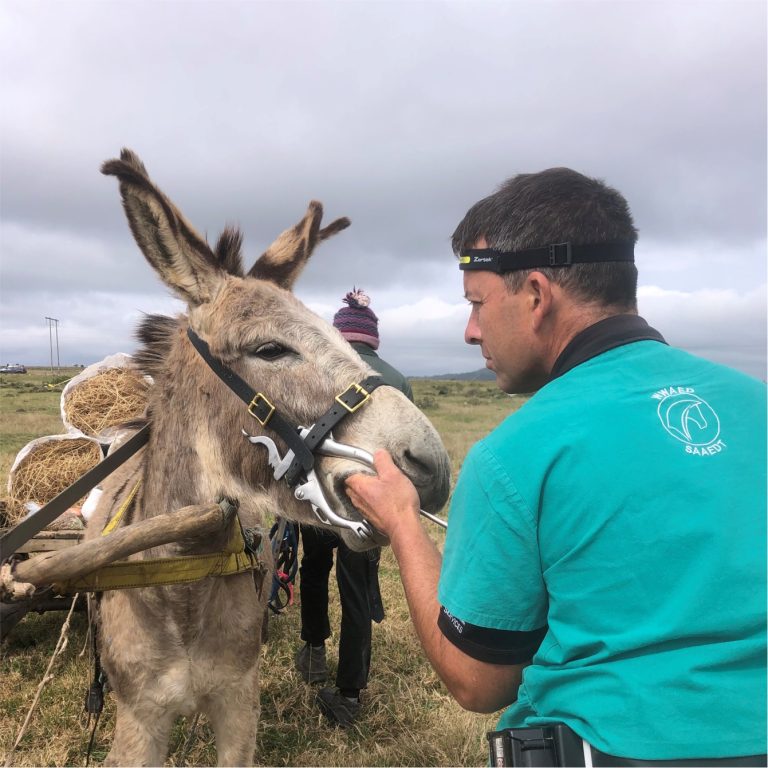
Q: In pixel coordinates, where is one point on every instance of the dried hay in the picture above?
(45, 467)
(99, 403)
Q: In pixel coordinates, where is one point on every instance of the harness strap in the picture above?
(236, 557)
(115, 521)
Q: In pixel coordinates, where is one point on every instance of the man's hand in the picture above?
(389, 500)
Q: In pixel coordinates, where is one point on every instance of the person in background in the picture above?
(356, 572)
(619, 516)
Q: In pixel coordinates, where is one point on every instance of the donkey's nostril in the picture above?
(417, 467)
(430, 473)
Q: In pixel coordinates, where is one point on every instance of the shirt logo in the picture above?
(689, 419)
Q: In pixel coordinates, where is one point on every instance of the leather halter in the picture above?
(260, 407)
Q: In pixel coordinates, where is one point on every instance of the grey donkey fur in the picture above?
(171, 651)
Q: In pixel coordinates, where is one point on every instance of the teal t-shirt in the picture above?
(624, 508)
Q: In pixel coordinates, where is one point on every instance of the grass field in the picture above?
(408, 718)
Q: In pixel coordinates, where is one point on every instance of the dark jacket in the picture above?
(391, 375)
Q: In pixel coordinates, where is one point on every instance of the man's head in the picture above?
(522, 318)
(357, 321)
(534, 210)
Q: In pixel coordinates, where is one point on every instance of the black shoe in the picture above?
(311, 664)
(337, 708)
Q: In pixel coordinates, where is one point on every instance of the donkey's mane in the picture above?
(156, 334)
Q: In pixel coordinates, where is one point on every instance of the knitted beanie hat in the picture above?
(356, 321)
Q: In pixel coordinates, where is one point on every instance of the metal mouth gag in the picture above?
(330, 447)
(312, 491)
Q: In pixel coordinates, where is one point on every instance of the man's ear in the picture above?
(538, 290)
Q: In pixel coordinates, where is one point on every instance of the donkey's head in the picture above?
(263, 337)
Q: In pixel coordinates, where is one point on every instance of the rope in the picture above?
(94, 703)
(87, 643)
(61, 646)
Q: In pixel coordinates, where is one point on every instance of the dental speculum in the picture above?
(312, 491)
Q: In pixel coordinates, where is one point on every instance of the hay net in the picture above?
(105, 395)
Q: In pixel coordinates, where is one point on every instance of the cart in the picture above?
(45, 541)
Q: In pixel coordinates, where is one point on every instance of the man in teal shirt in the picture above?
(621, 511)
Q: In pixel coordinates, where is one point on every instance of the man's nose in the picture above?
(472, 331)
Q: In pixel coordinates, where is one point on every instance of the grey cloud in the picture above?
(399, 115)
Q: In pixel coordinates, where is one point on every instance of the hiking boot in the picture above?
(337, 708)
(311, 664)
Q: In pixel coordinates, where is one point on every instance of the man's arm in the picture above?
(390, 502)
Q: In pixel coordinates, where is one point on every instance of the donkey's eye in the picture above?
(269, 351)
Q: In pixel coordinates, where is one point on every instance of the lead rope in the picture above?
(94, 699)
(93, 736)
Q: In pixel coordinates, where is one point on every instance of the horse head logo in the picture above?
(689, 419)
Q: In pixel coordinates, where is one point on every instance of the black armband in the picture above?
(495, 646)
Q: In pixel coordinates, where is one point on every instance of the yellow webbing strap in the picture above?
(115, 521)
(164, 571)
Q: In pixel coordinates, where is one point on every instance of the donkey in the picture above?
(176, 650)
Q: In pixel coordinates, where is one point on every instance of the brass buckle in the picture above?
(358, 390)
(259, 398)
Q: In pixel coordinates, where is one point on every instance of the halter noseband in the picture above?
(297, 467)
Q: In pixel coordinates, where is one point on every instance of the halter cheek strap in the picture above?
(258, 405)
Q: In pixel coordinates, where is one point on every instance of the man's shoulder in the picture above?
(679, 362)
(601, 388)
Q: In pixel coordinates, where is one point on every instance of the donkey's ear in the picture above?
(283, 261)
(170, 244)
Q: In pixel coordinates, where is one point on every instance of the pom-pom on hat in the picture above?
(357, 321)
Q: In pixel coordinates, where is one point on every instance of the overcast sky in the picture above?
(399, 115)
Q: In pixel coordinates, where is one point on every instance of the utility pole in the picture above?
(53, 323)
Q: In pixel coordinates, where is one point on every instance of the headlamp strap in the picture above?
(555, 255)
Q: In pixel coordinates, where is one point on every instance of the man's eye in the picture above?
(269, 351)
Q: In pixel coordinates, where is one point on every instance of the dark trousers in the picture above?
(357, 578)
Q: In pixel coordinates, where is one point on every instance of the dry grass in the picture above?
(49, 466)
(408, 718)
(107, 399)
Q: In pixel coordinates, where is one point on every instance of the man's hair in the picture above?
(533, 210)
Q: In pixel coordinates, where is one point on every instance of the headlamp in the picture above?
(555, 255)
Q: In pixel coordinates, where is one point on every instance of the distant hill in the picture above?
(483, 374)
